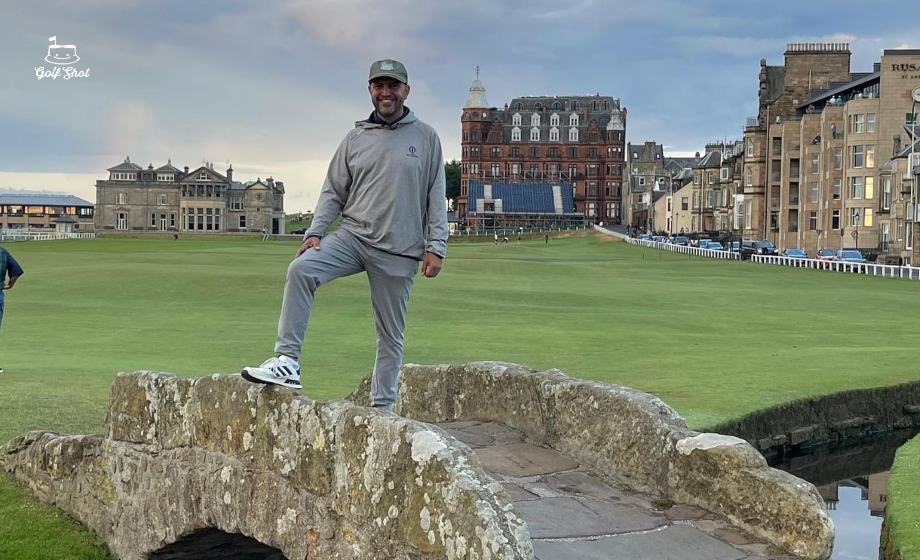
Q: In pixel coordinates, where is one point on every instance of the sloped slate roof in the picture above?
(126, 165)
(43, 200)
(168, 168)
(712, 159)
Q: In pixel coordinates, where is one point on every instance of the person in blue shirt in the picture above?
(10, 271)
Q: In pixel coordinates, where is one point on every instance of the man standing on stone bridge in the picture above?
(387, 181)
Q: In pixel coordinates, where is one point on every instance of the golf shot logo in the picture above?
(62, 56)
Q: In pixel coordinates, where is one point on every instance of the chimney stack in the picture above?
(186, 170)
(230, 173)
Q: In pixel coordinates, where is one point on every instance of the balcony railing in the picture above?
(752, 122)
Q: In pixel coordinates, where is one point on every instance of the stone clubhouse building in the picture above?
(135, 199)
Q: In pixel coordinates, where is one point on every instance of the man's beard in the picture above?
(387, 113)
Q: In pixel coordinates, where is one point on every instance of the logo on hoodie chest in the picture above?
(411, 152)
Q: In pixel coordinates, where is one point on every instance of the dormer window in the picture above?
(574, 105)
(573, 134)
(556, 106)
(534, 134)
(573, 120)
(606, 105)
(203, 176)
(594, 105)
(516, 119)
(515, 134)
(554, 119)
(534, 120)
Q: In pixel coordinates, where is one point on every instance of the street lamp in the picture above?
(915, 95)
(856, 229)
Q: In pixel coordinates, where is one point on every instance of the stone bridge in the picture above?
(186, 459)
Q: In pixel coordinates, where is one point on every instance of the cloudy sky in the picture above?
(272, 86)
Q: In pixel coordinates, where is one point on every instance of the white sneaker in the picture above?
(275, 371)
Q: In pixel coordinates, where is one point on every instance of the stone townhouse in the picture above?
(820, 157)
(571, 141)
(672, 211)
(134, 198)
(645, 171)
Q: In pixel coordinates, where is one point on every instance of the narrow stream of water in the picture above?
(854, 484)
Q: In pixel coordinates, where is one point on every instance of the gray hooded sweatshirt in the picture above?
(388, 183)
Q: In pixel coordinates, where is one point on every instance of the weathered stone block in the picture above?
(313, 479)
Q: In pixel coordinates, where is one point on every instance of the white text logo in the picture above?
(62, 56)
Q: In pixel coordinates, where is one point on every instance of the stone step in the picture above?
(574, 514)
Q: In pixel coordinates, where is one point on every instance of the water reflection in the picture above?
(854, 484)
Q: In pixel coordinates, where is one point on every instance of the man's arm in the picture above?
(437, 203)
(13, 270)
(334, 194)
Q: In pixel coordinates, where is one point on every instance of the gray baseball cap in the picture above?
(389, 69)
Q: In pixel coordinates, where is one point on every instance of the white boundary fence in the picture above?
(605, 231)
(20, 235)
(686, 250)
(460, 232)
(870, 269)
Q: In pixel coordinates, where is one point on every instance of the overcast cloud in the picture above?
(273, 86)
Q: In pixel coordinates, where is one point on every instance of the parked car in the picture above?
(765, 247)
(795, 254)
(645, 237)
(826, 255)
(681, 240)
(851, 256)
(715, 246)
(762, 247)
(300, 231)
(735, 247)
(658, 238)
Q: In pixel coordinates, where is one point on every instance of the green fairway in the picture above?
(714, 339)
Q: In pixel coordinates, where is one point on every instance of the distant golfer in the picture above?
(387, 181)
(264, 234)
(10, 271)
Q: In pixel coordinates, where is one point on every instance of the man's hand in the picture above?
(431, 266)
(310, 243)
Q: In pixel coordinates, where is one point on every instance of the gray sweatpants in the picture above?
(391, 276)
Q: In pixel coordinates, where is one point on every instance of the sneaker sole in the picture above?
(249, 377)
